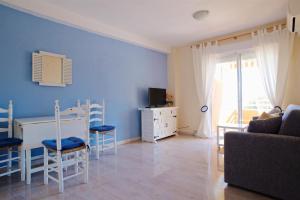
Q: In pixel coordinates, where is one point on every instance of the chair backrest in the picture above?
(96, 112)
(69, 112)
(8, 120)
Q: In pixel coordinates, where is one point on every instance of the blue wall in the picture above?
(102, 68)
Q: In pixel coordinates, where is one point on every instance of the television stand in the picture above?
(158, 123)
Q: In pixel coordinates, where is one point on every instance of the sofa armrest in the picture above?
(266, 163)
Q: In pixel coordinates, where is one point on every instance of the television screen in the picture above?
(157, 97)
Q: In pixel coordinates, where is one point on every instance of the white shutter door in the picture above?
(67, 71)
(173, 119)
(36, 67)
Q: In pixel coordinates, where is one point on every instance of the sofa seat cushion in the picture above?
(271, 125)
(291, 123)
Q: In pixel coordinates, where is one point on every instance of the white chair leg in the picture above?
(97, 146)
(9, 160)
(115, 140)
(46, 166)
(76, 160)
(102, 142)
(91, 144)
(60, 172)
(65, 157)
(22, 162)
(86, 165)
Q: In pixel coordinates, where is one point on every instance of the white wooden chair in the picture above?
(10, 145)
(108, 133)
(60, 147)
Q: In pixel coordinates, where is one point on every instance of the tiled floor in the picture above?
(181, 167)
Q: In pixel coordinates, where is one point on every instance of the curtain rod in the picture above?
(243, 35)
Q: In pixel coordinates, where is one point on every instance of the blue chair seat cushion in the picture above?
(103, 128)
(66, 143)
(9, 142)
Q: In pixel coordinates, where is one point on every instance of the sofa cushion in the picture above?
(275, 110)
(271, 125)
(291, 123)
(265, 115)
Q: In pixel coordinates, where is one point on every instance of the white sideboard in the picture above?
(158, 123)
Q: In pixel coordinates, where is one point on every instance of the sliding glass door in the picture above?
(238, 91)
(254, 99)
(225, 101)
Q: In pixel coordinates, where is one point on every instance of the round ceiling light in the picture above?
(200, 14)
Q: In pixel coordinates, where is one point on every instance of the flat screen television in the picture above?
(157, 97)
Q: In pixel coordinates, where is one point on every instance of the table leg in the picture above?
(28, 166)
(22, 163)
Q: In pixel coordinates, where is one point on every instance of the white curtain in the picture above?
(273, 53)
(204, 62)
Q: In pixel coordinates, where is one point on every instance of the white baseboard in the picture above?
(126, 141)
(187, 132)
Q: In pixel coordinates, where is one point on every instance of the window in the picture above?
(238, 90)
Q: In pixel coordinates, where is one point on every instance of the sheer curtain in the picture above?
(204, 62)
(273, 52)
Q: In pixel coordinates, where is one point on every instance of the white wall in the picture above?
(181, 80)
(293, 84)
(182, 86)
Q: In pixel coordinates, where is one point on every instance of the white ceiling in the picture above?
(168, 23)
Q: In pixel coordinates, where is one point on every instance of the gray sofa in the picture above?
(266, 163)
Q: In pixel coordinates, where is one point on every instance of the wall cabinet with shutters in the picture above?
(49, 69)
(158, 123)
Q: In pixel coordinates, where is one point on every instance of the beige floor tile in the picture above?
(177, 168)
